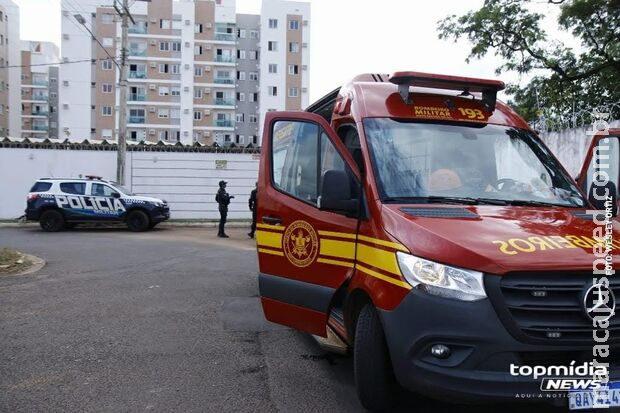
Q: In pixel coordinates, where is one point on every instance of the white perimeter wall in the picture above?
(188, 181)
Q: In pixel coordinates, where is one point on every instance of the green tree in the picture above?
(563, 78)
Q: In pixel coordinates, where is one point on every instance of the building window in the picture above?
(197, 70)
(175, 113)
(293, 24)
(241, 96)
(106, 110)
(240, 75)
(107, 42)
(253, 97)
(253, 55)
(254, 139)
(175, 91)
(163, 113)
(293, 92)
(273, 91)
(106, 87)
(241, 33)
(163, 68)
(163, 135)
(273, 68)
(198, 28)
(164, 91)
(164, 24)
(176, 46)
(293, 69)
(106, 64)
(239, 117)
(106, 133)
(254, 34)
(197, 93)
(272, 46)
(197, 50)
(197, 115)
(273, 23)
(164, 46)
(240, 54)
(293, 47)
(107, 18)
(175, 69)
(176, 25)
(253, 119)
(253, 76)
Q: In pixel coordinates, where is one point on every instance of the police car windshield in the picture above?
(122, 190)
(428, 162)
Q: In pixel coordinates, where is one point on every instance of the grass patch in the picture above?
(12, 261)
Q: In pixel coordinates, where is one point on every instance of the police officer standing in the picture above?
(223, 199)
(253, 207)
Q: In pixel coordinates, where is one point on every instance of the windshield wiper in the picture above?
(522, 202)
(435, 199)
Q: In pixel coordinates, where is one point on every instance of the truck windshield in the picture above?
(431, 162)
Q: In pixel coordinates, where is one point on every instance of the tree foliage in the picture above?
(564, 78)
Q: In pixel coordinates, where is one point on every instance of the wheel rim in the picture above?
(50, 223)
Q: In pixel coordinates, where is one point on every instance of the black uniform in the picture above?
(223, 199)
(253, 207)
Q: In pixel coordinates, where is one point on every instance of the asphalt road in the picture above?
(164, 321)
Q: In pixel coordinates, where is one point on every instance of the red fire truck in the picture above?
(418, 223)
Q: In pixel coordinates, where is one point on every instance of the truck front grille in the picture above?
(549, 305)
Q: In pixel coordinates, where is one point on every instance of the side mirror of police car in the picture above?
(336, 193)
(116, 195)
(600, 201)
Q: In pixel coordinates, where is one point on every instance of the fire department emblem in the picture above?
(300, 244)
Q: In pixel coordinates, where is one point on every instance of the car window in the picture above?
(76, 188)
(41, 187)
(101, 190)
(606, 162)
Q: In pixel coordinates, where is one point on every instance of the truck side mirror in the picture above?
(336, 193)
(601, 202)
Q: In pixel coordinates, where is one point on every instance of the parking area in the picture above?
(167, 320)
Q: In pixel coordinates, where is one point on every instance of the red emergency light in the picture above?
(487, 87)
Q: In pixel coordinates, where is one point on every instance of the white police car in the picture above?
(59, 203)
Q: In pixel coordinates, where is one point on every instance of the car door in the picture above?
(604, 145)
(105, 202)
(305, 254)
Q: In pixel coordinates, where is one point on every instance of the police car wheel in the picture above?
(374, 378)
(137, 221)
(51, 221)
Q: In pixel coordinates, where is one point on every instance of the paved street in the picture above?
(162, 321)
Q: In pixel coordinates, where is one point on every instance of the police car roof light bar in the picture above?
(487, 87)
(94, 177)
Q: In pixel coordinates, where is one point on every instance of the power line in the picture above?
(58, 63)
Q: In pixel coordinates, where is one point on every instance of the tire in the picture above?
(51, 221)
(137, 221)
(374, 377)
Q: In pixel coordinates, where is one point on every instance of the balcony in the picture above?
(40, 82)
(137, 52)
(136, 119)
(137, 75)
(228, 37)
(224, 80)
(137, 97)
(225, 101)
(41, 128)
(224, 59)
(40, 97)
(224, 123)
(138, 29)
(40, 113)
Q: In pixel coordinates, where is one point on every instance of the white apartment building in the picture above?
(39, 89)
(183, 70)
(285, 56)
(10, 93)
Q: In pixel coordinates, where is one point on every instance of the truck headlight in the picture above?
(441, 280)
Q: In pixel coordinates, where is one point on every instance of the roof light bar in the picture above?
(487, 87)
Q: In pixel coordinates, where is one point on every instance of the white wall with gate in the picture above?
(187, 180)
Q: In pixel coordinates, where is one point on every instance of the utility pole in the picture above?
(121, 153)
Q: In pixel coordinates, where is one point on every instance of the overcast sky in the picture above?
(348, 37)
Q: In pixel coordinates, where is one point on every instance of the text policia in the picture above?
(602, 266)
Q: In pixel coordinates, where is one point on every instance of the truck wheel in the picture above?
(51, 221)
(137, 221)
(374, 378)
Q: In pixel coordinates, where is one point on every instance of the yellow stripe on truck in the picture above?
(379, 258)
(269, 239)
(378, 241)
(272, 252)
(382, 277)
(335, 262)
(340, 249)
(272, 227)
